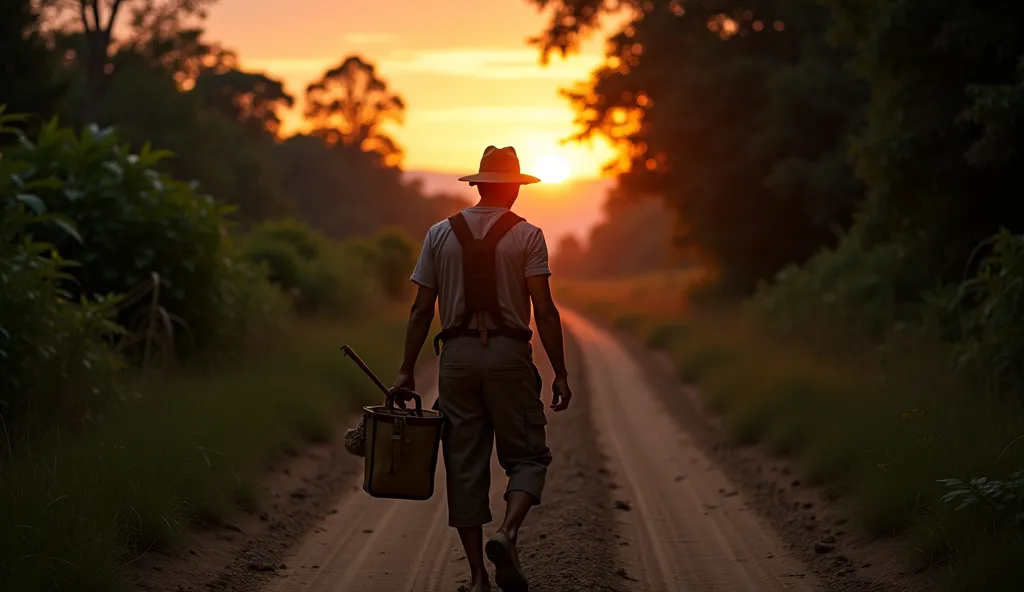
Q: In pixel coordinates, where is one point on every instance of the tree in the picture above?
(735, 113)
(26, 65)
(350, 104)
(250, 98)
(573, 20)
(98, 23)
(227, 160)
(344, 192)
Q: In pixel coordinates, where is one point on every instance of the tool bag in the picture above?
(399, 445)
(401, 450)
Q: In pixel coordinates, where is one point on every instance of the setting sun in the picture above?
(552, 168)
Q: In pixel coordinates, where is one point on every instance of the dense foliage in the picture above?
(54, 352)
(735, 113)
(133, 221)
(319, 276)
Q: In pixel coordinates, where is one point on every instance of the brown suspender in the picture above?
(480, 279)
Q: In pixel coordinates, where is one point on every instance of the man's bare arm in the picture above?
(420, 318)
(549, 325)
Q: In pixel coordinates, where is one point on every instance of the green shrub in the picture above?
(990, 311)
(393, 260)
(852, 287)
(135, 221)
(316, 274)
(282, 261)
(54, 356)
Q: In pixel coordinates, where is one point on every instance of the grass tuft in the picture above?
(881, 423)
(188, 450)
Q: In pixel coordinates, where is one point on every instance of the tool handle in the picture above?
(348, 351)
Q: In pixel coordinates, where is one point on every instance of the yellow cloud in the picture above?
(489, 63)
(478, 114)
(370, 38)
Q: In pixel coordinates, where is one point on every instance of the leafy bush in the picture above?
(314, 272)
(393, 260)
(53, 350)
(849, 287)
(988, 307)
(135, 221)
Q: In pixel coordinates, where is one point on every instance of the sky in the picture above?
(464, 68)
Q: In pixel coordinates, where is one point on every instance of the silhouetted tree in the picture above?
(26, 65)
(736, 113)
(350, 104)
(250, 98)
(98, 22)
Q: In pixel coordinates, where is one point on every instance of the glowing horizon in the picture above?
(466, 86)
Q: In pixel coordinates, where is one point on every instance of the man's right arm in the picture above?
(549, 326)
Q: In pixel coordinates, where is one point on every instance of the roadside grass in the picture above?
(191, 449)
(882, 424)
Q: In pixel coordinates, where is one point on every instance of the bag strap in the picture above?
(479, 265)
(461, 229)
(501, 227)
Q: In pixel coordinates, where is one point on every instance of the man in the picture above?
(484, 266)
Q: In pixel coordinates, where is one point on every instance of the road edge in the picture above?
(804, 516)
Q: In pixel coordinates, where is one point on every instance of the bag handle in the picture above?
(407, 394)
(389, 394)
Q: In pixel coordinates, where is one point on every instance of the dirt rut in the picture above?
(687, 526)
(671, 522)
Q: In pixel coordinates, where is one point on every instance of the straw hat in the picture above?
(499, 165)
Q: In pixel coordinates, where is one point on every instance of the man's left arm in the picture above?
(420, 318)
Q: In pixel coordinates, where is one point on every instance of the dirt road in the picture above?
(678, 524)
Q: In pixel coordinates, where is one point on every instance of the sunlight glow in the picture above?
(552, 168)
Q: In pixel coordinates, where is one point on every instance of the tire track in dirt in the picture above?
(567, 543)
(689, 528)
(679, 523)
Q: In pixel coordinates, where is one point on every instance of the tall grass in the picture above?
(881, 422)
(77, 507)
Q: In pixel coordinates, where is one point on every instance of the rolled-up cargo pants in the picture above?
(490, 395)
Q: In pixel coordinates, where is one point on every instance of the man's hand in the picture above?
(406, 381)
(561, 395)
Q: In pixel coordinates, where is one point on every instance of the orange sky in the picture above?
(463, 66)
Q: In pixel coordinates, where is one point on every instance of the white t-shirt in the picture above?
(520, 254)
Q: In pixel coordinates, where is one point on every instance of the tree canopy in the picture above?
(735, 113)
(350, 104)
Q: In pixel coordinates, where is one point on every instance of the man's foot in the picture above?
(484, 585)
(509, 576)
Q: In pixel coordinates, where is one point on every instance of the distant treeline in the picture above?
(635, 236)
(149, 71)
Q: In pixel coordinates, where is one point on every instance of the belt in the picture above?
(520, 334)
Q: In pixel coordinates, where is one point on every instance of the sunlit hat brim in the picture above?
(519, 178)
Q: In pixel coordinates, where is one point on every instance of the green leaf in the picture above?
(33, 202)
(68, 227)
